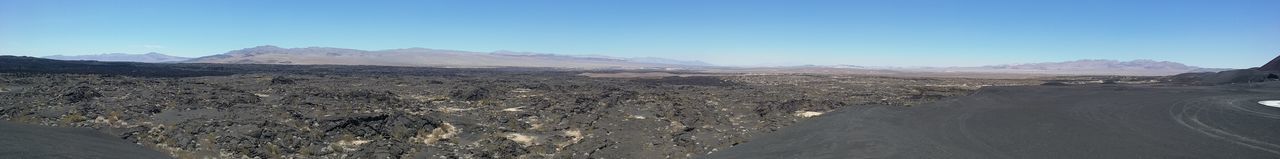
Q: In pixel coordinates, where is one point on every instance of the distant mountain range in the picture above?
(433, 57)
(1100, 64)
(453, 58)
(123, 57)
(1077, 67)
(1087, 67)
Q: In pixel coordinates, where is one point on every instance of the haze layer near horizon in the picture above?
(1229, 33)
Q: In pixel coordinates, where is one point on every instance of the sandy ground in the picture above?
(31, 141)
(1096, 121)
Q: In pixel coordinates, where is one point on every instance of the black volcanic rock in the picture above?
(1274, 65)
(471, 94)
(32, 65)
(82, 93)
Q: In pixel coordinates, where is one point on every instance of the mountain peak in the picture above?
(266, 47)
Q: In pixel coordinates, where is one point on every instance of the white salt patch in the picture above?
(1272, 103)
(359, 142)
(807, 114)
(452, 109)
(516, 109)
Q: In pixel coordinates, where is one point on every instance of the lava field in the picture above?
(323, 111)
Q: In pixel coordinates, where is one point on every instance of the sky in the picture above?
(1206, 33)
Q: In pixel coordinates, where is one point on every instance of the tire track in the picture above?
(1188, 115)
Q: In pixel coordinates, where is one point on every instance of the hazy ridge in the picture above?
(432, 57)
(122, 57)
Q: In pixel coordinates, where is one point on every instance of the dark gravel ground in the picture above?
(34, 141)
(1092, 121)
(289, 111)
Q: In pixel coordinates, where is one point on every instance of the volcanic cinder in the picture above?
(1274, 65)
(1043, 122)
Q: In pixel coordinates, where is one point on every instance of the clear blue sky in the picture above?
(1211, 33)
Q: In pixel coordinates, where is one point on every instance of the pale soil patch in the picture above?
(575, 136)
(525, 140)
(351, 145)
